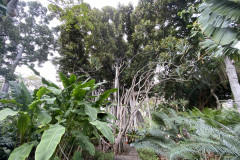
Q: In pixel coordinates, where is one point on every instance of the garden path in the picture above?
(130, 154)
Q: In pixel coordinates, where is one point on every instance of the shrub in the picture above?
(103, 156)
(58, 118)
(147, 154)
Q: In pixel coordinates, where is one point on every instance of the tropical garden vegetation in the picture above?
(161, 77)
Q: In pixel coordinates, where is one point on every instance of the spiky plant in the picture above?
(195, 135)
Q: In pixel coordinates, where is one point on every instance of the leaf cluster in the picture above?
(52, 118)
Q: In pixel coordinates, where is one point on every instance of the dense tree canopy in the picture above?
(25, 39)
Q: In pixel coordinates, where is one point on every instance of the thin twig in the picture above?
(63, 152)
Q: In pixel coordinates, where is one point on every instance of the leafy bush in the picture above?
(62, 119)
(147, 154)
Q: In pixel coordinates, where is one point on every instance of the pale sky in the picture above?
(48, 70)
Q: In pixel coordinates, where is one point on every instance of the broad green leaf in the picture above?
(89, 83)
(84, 142)
(49, 100)
(26, 93)
(34, 104)
(49, 142)
(104, 129)
(64, 80)
(54, 90)
(21, 153)
(104, 96)
(15, 89)
(9, 101)
(6, 112)
(77, 156)
(41, 92)
(42, 129)
(79, 93)
(93, 87)
(72, 79)
(22, 123)
(43, 117)
(91, 112)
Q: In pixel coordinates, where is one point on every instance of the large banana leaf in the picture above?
(104, 129)
(64, 80)
(49, 142)
(80, 91)
(26, 93)
(21, 153)
(91, 112)
(15, 89)
(84, 142)
(6, 112)
(54, 90)
(43, 117)
(104, 96)
(72, 79)
(20, 94)
(22, 123)
(41, 92)
(34, 104)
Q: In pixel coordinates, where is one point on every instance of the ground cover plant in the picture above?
(193, 135)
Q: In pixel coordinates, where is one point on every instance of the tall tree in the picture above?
(7, 8)
(124, 47)
(27, 39)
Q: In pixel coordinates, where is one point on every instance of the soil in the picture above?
(130, 154)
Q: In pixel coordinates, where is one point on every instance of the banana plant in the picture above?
(59, 116)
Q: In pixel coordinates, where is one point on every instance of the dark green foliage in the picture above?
(69, 115)
(146, 154)
(153, 32)
(28, 30)
(77, 156)
(3, 11)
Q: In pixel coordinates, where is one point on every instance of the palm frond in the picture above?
(216, 20)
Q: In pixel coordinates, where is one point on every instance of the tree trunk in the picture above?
(233, 80)
(216, 97)
(149, 112)
(139, 119)
(116, 94)
(5, 86)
